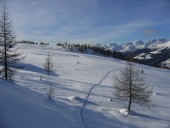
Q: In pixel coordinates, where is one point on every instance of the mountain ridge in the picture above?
(154, 52)
(132, 46)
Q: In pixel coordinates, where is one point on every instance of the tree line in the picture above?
(87, 48)
(31, 42)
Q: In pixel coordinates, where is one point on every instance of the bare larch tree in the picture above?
(51, 92)
(48, 66)
(130, 86)
(8, 56)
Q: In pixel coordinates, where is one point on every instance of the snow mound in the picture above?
(124, 111)
(110, 99)
(155, 93)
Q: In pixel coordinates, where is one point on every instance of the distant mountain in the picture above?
(132, 46)
(154, 44)
(157, 54)
(154, 52)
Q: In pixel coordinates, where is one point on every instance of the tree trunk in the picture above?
(130, 86)
(5, 46)
(48, 67)
(129, 106)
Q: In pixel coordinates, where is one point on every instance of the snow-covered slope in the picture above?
(22, 108)
(166, 63)
(82, 93)
(163, 46)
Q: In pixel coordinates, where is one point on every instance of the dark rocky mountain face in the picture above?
(152, 57)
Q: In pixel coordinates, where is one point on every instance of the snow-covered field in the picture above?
(82, 93)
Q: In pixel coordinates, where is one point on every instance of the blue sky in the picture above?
(90, 21)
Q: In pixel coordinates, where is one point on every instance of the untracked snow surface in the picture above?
(82, 85)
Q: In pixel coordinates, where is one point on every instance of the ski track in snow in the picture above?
(82, 112)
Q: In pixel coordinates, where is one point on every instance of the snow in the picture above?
(167, 45)
(158, 44)
(82, 93)
(166, 63)
(110, 99)
(23, 108)
(124, 111)
(155, 93)
(148, 56)
(164, 46)
(155, 52)
(142, 56)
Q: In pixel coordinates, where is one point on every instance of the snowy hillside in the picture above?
(82, 93)
(22, 108)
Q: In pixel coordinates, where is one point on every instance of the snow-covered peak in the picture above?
(157, 41)
(131, 46)
(139, 42)
(154, 44)
(128, 47)
(128, 43)
(110, 45)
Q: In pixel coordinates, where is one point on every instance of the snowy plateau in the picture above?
(82, 93)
